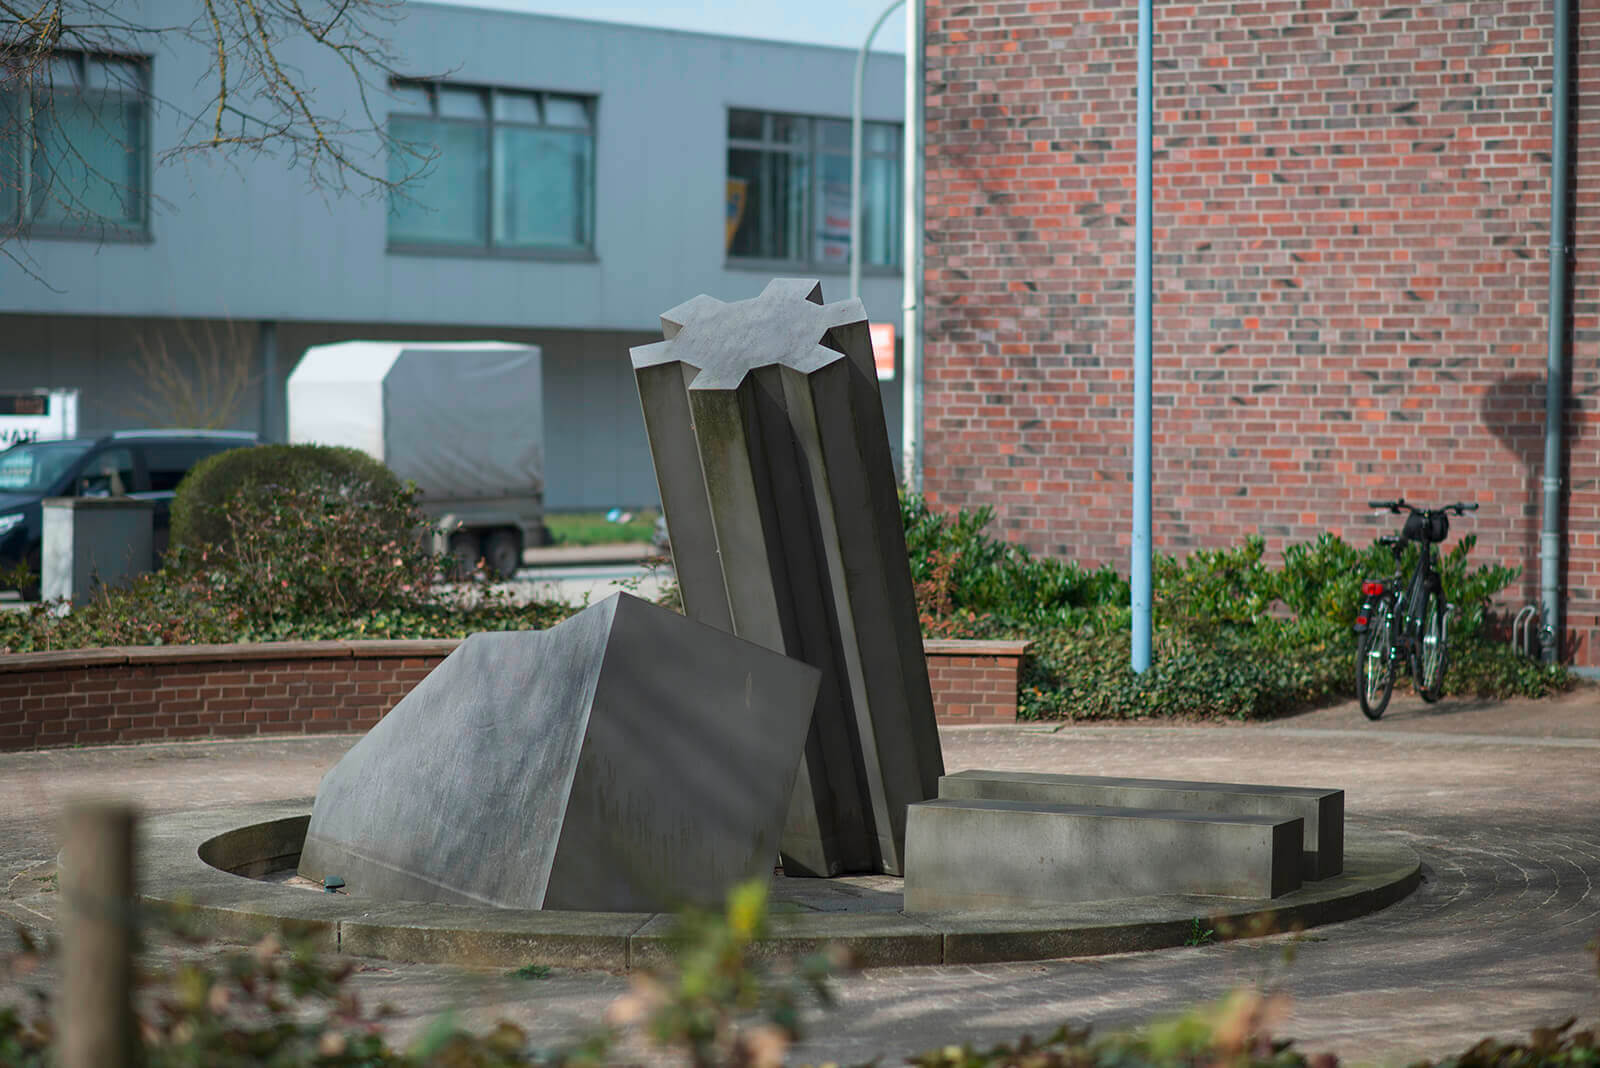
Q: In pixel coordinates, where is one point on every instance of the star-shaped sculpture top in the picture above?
(787, 325)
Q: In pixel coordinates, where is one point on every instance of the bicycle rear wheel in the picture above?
(1428, 657)
(1375, 666)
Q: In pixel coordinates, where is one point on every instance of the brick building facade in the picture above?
(1352, 209)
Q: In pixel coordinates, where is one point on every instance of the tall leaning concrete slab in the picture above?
(1322, 810)
(627, 760)
(776, 477)
(986, 856)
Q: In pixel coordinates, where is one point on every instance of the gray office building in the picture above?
(581, 178)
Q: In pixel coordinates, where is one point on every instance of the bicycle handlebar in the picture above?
(1395, 506)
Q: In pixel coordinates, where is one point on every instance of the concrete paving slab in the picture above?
(1491, 943)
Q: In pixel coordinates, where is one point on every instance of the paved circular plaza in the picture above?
(1500, 800)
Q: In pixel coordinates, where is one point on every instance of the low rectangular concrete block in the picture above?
(980, 855)
(1321, 809)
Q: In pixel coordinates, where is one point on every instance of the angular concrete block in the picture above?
(768, 439)
(1321, 809)
(628, 759)
(982, 856)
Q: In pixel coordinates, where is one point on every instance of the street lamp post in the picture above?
(1142, 294)
(855, 153)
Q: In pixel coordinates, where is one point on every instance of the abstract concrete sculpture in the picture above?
(626, 760)
(1320, 809)
(768, 438)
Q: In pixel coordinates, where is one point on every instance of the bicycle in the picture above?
(1406, 621)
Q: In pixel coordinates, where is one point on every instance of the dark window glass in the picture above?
(766, 204)
(788, 190)
(510, 169)
(108, 473)
(166, 464)
(446, 204)
(74, 145)
(36, 467)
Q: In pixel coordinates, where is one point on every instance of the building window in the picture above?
(789, 190)
(74, 146)
(510, 170)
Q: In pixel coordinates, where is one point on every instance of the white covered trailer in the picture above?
(463, 420)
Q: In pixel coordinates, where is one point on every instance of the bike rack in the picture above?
(1524, 636)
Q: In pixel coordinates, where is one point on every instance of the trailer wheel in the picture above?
(503, 551)
(465, 549)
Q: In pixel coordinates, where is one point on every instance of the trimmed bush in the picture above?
(201, 507)
(1233, 637)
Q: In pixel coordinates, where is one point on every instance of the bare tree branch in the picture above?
(200, 387)
(261, 96)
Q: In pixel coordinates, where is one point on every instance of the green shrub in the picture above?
(301, 561)
(186, 608)
(1233, 636)
(204, 499)
(973, 573)
(310, 547)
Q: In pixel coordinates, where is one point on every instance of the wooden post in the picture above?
(95, 1012)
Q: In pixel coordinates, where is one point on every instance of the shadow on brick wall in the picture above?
(1513, 410)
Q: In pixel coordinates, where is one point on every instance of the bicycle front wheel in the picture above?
(1428, 660)
(1375, 666)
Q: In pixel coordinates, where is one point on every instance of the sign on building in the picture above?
(38, 415)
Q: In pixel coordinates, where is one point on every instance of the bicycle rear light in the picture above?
(1361, 621)
(1372, 589)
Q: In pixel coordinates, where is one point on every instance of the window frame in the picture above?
(811, 148)
(84, 228)
(488, 249)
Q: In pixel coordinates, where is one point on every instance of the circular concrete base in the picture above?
(207, 868)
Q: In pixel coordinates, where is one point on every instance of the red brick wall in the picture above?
(1351, 273)
(136, 695)
(103, 696)
(974, 682)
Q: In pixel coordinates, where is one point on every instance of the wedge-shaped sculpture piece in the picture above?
(768, 438)
(626, 760)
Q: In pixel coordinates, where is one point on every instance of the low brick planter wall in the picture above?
(974, 682)
(167, 693)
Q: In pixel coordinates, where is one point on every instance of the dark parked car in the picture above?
(139, 463)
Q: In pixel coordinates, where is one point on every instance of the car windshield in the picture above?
(36, 466)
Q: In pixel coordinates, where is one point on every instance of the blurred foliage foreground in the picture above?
(306, 550)
(722, 1001)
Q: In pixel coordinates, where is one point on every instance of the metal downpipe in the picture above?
(1550, 536)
